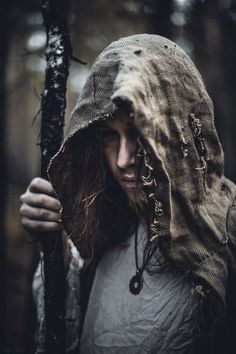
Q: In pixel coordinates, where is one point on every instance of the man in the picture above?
(140, 181)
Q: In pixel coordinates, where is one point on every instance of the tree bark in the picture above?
(58, 54)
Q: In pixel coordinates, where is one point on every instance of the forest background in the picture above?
(205, 29)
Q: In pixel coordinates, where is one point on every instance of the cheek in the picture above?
(110, 153)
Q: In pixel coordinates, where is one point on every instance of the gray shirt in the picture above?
(163, 318)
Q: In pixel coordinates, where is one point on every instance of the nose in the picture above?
(126, 153)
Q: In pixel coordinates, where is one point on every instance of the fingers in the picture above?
(39, 213)
(39, 200)
(40, 209)
(35, 226)
(40, 185)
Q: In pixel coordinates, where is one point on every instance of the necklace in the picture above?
(136, 282)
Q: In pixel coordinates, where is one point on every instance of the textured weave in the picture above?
(173, 112)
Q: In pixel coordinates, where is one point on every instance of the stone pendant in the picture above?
(136, 283)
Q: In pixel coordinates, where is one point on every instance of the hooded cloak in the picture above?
(194, 221)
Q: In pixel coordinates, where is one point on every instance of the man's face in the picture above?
(119, 138)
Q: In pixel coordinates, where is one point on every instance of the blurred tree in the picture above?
(205, 29)
(159, 14)
(213, 30)
(3, 177)
(227, 18)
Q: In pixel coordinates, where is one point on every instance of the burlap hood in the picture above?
(173, 112)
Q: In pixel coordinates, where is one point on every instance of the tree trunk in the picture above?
(58, 55)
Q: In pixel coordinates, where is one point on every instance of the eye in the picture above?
(106, 134)
(133, 133)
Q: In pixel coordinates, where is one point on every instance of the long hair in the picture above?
(103, 215)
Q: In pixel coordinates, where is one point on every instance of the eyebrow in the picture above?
(130, 125)
(105, 128)
(104, 125)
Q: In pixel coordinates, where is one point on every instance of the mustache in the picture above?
(130, 173)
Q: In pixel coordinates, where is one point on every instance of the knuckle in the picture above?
(22, 198)
(37, 226)
(42, 199)
(21, 210)
(25, 223)
(36, 182)
(43, 214)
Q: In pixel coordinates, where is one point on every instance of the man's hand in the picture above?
(40, 209)
(40, 213)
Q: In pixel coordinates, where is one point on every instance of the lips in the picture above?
(130, 183)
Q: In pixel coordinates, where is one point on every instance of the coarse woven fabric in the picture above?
(174, 114)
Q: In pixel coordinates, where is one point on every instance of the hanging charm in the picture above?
(136, 283)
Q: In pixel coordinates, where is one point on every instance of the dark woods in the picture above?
(205, 29)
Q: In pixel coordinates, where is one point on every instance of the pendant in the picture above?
(136, 284)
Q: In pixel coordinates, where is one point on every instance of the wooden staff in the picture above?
(58, 54)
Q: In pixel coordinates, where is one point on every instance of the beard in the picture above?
(138, 202)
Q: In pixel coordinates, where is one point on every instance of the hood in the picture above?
(174, 114)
